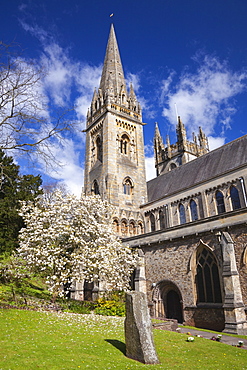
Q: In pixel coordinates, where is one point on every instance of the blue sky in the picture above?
(190, 53)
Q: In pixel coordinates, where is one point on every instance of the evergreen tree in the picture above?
(13, 189)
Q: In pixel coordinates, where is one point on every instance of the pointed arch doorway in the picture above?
(167, 300)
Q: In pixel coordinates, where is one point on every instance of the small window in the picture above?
(182, 215)
(220, 202)
(152, 222)
(124, 228)
(193, 210)
(95, 188)
(132, 228)
(127, 187)
(172, 166)
(116, 226)
(235, 198)
(140, 228)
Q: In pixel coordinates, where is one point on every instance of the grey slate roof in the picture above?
(210, 165)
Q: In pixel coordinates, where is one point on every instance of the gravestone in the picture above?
(138, 329)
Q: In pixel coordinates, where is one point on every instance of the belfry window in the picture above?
(193, 210)
(220, 202)
(207, 278)
(124, 143)
(182, 215)
(127, 187)
(235, 198)
(99, 149)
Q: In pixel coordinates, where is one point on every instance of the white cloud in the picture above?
(134, 79)
(150, 168)
(203, 98)
(68, 170)
(215, 142)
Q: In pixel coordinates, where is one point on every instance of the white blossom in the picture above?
(71, 239)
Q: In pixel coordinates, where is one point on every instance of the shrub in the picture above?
(110, 308)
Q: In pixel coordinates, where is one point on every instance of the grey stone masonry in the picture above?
(138, 329)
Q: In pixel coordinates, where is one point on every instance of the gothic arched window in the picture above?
(127, 187)
(95, 187)
(193, 210)
(207, 278)
(124, 143)
(182, 215)
(99, 149)
(235, 198)
(220, 202)
(152, 222)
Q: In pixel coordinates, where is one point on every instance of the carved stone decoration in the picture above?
(138, 330)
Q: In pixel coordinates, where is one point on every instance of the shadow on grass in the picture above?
(119, 345)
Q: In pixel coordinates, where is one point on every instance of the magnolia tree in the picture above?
(71, 239)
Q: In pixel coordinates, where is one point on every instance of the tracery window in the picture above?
(152, 222)
(220, 202)
(207, 278)
(235, 198)
(95, 188)
(193, 210)
(182, 215)
(127, 187)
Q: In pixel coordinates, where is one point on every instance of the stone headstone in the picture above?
(138, 329)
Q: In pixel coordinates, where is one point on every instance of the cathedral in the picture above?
(189, 223)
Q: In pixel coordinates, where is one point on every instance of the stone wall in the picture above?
(173, 261)
(170, 260)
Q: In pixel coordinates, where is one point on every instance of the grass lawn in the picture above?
(31, 340)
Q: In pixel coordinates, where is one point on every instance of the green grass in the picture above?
(33, 340)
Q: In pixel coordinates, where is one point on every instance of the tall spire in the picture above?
(112, 69)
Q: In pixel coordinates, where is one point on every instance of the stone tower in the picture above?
(114, 164)
(174, 155)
